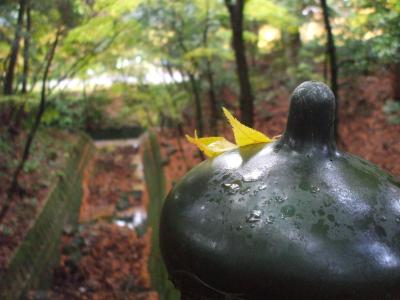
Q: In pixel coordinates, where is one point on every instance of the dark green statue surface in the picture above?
(293, 219)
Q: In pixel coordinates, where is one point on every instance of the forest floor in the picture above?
(106, 258)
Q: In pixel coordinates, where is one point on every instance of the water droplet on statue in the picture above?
(254, 217)
(270, 220)
(262, 187)
(279, 199)
(252, 176)
(232, 187)
(314, 189)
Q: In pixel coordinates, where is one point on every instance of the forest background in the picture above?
(99, 64)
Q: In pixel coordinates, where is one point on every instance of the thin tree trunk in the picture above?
(194, 86)
(14, 126)
(36, 75)
(325, 66)
(254, 45)
(292, 45)
(170, 69)
(197, 102)
(10, 74)
(27, 42)
(396, 81)
(181, 150)
(213, 99)
(235, 10)
(331, 49)
(210, 78)
(14, 183)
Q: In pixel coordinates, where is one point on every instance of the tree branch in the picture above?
(14, 183)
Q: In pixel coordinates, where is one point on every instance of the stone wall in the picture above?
(156, 190)
(33, 261)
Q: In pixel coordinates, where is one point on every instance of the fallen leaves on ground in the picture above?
(102, 260)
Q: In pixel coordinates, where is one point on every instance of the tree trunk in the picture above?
(292, 45)
(193, 85)
(396, 81)
(331, 50)
(14, 126)
(235, 10)
(197, 102)
(210, 79)
(9, 78)
(325, 66)
(181, 150)
(14, 183)
(254, 45)
(27, 42)
(213, 99)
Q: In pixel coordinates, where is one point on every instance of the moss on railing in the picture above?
(32, 263)
(155, 182)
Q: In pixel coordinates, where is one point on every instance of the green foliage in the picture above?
(64, 112)
(126, 40)
(358, 57)
(273, 13)
(5, 146)
(60, 174)
(5, 230)
(371, 35)
(385, 20)
(94, 112)
(31, 165)
(392, 109)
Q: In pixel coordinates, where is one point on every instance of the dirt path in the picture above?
(106, 258)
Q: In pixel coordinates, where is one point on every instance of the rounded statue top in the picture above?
(311, 117)
(290, 219)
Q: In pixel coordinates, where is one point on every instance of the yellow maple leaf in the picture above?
(211, 146)
(245, 135)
